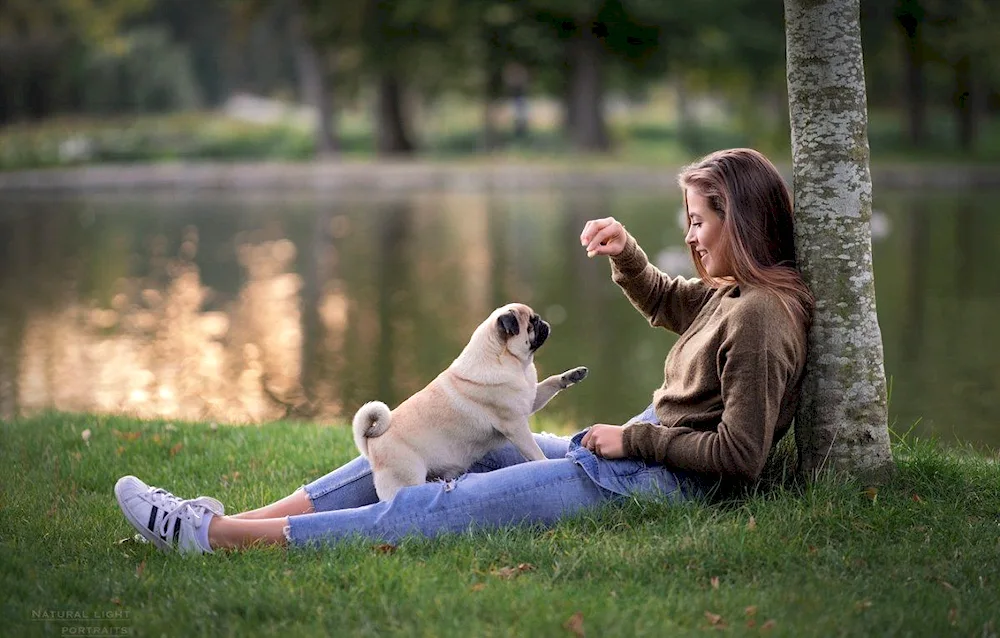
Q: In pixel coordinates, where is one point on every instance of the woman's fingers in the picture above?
(603, 237)
(594, 226)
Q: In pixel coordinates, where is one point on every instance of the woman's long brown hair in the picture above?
(758, 232)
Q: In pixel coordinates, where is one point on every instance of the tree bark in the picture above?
(392, 138)
(585, 107)
(841, 423)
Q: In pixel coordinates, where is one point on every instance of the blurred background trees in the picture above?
(932, 66)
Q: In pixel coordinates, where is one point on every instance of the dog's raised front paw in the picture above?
(576, 375)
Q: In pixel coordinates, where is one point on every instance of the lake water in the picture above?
(247, 308)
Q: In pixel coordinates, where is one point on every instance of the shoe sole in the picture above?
(141, 527)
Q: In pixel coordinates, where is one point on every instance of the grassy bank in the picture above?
(644, 137)
(916, 557)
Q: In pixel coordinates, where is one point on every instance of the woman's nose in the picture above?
(689, 237)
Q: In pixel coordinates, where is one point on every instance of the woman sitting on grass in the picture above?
(729, 392)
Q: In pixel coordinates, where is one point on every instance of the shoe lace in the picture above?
(191, 510)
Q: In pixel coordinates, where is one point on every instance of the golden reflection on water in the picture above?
(161, 354)
(295, 339)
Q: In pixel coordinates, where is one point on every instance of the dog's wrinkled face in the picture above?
(521, 328)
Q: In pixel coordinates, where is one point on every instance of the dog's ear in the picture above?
(507, 324)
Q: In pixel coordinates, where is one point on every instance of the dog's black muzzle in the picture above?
(541, 332)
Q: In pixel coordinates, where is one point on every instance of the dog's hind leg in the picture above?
(390, 480)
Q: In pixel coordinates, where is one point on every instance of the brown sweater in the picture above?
(730, 383)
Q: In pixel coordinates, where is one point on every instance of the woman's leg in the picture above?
(296, 503)
(553, 447)
(351, 485)
(348, 486)
(230, 532)
(540, 492)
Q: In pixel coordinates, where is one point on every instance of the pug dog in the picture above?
(482, 400)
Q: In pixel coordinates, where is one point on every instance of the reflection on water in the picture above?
(236, 309)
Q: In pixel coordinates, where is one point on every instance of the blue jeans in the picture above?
(499, 490)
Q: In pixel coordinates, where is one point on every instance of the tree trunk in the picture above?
(312, 83)
(965, 103)
(392, 138)
(841, 423)
(585, 115)
(909, 15)
(490, 95)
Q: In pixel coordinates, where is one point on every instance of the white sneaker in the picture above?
(168, 522)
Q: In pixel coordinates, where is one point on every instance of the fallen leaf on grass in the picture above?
(478, 587)
(141, 567)
(946, 584)
(126, 436)
(116, 601)
(861, 605)
(119, 450)
(715, 582)
(752, 524)
(916, 498)
(575, 624)
(750, 611)
(952, 616)
(715, 620)
(871, 494)
(85, 435)
(76, 455)
(768, 625)
(384, 548)
(508, 573)
(176, 448)
(170, 427)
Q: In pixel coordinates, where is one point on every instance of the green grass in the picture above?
(921, 556)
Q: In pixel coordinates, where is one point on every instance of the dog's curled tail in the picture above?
(371, 420)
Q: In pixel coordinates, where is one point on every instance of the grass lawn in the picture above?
(919, 556)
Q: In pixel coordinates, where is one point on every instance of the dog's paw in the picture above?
(576, 375)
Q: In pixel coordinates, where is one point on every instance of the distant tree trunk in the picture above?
(685, 119)
(490, 95)
(585, 103)
(965, 103)
(312, 82)
(841, 423)
(392, 137)
(910, 16)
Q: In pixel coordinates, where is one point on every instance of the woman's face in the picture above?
(705, 235)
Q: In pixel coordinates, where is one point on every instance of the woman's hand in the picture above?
(603, 237)
(605, 440)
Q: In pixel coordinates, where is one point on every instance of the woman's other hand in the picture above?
(605, 440)
(603, 237)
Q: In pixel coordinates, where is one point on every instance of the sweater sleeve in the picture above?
(756, 367)
(667, 302)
